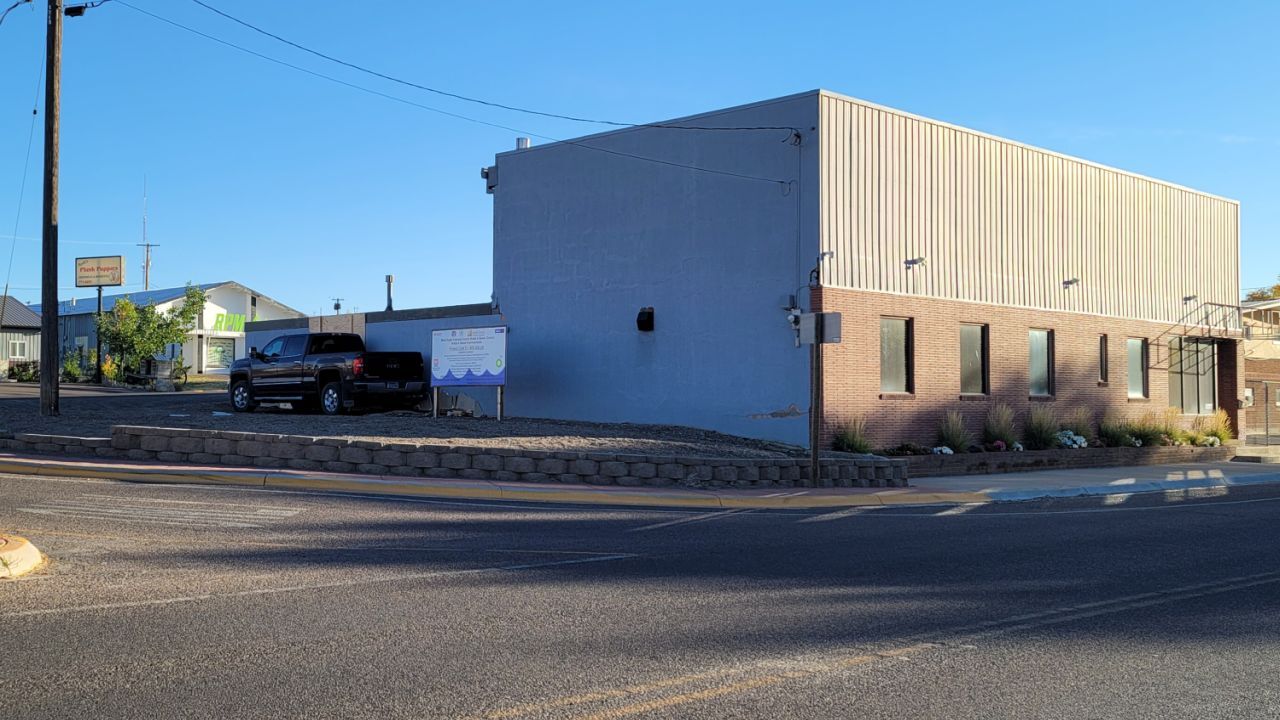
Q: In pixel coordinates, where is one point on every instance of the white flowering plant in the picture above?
(1070, 440)
(1017, 447)
(943, 450)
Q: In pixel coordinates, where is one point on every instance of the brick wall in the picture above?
(1265, 414)
(852, 368)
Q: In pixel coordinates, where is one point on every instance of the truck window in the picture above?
(293, 345)
(335, 344)
(273, 348)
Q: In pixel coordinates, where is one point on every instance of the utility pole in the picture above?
(146, 263)
(49, 364)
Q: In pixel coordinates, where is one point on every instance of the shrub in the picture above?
(953, 434)
(1217, 425)
(1070, 440)
(112, 370)
(25, 370)
(907, 449)
(999, 427)
(1041, 428)
(1080, 422)
(1114, 432)
(1150, 430)
(852, 438)
(71, 368)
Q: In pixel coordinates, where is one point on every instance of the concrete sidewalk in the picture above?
(930, 491)
(1101, 481)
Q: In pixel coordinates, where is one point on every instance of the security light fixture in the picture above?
(644, 319)
(1190, 298)
(913, 262)
(1066, 284)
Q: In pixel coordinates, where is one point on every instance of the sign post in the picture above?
(468, 357)
(817, 329)
(98, 272)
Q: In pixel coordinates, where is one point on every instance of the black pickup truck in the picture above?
(329, 370)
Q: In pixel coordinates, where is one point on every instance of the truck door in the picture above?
(275, 374)
(288, 367)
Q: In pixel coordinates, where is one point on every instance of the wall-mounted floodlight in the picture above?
(1066, 284)
(1190, 298)
(913, 262)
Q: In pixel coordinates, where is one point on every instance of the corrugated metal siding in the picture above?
(1002, 223)
(33, 343)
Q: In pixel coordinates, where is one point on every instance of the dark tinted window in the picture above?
(274, 347)
(294, 344)
(895, 355)
(973, 359)
(335, 344)
(1137, 350)
(1040, 344)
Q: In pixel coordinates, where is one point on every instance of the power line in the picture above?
(782, 183)
(9, 9)
(22, 187)
(457, 96)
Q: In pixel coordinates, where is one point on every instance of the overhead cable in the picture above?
(784, 184)
(465, 98)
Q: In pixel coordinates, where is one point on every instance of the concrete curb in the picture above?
(487, 489)
(17, 556)
(1130, 489)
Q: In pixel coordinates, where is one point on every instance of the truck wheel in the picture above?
(241, 398)
(331, 399)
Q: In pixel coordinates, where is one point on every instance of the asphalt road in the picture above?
(186, 602)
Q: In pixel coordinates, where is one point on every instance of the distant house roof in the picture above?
(89, 304)
(1272, 304)
(17, 315)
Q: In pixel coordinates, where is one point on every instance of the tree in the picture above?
(1265, 293)
(135, 333)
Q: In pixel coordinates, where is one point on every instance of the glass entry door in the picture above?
(1193, 375)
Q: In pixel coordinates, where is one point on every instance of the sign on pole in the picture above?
(469, 356)
(100, 271)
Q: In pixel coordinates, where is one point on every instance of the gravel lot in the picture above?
(91, 413)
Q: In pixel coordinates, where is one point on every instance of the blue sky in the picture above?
(306, 190)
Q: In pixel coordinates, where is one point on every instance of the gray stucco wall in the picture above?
(583, 239)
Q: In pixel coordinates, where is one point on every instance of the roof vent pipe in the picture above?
(522, 143)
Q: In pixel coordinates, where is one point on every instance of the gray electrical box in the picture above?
(820, 328)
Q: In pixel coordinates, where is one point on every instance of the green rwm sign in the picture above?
(228, 322)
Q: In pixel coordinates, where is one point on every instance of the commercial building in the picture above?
(19, 333)
(211, 346)
(647, 275)
(1262, 367)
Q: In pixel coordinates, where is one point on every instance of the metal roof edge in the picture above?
(649, 125)
(942, 123)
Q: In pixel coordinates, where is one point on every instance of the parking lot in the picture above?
(88, 411)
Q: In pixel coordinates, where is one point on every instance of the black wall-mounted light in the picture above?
(644, 319)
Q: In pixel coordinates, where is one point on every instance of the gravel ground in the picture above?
(93, 416)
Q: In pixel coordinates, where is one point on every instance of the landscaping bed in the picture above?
(983, 463)
(471, 462)
(94, 416)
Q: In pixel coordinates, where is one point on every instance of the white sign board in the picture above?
(469, 356)
(100, 271)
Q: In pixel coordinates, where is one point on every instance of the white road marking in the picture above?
(705, 517)
(164, 512)
(314, 586)
(840, 514)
